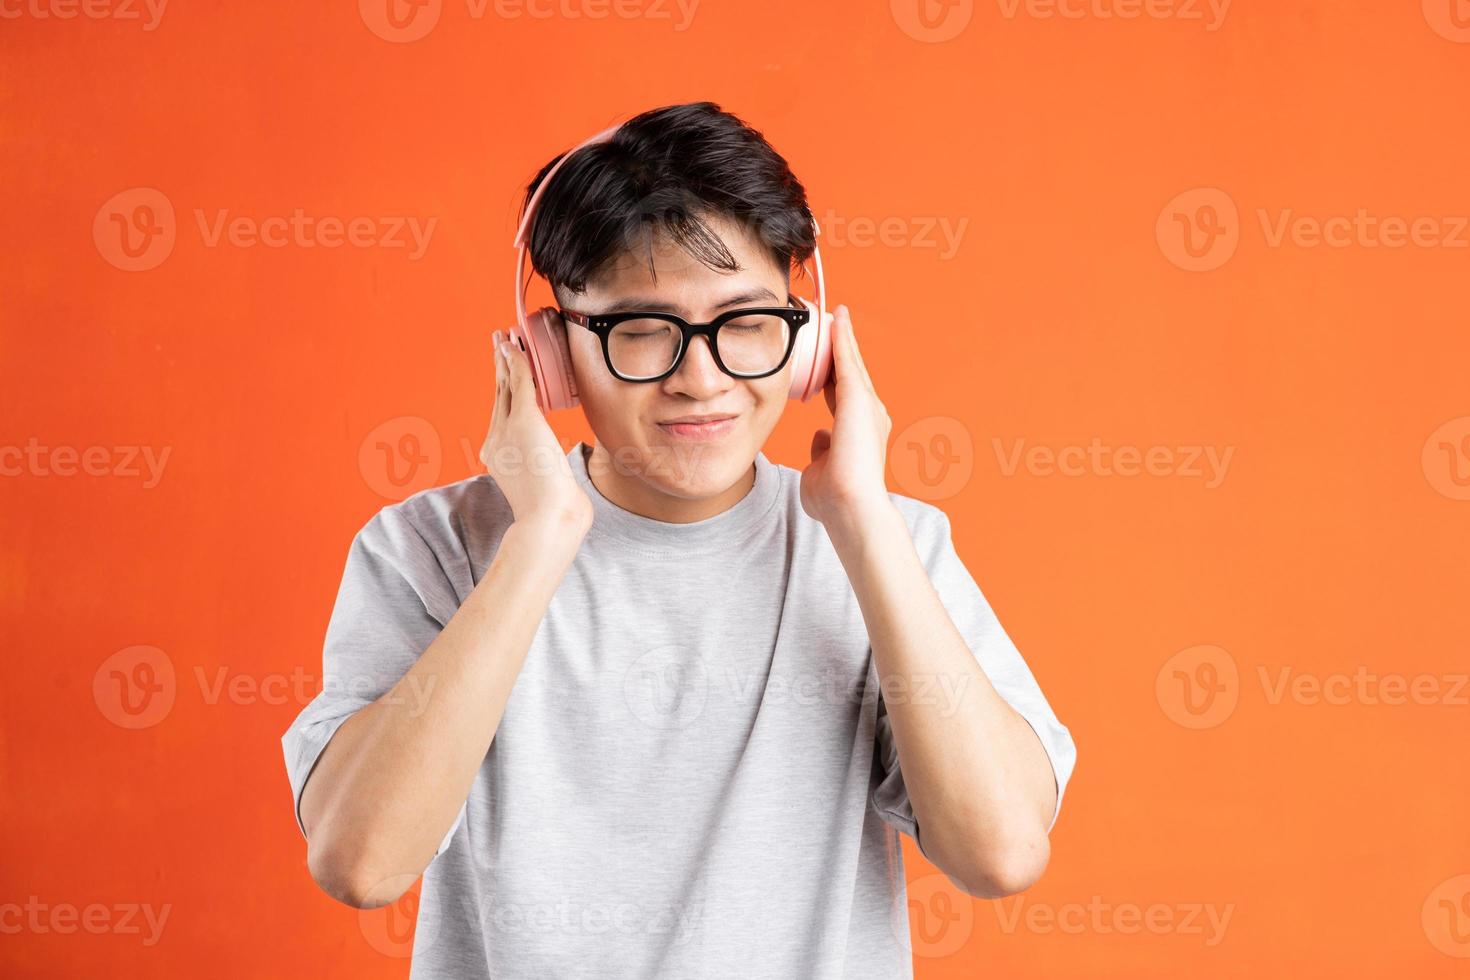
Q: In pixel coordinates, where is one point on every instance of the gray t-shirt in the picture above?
(694, 776)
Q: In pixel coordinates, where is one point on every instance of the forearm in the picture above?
(389, 784)
(979, 781)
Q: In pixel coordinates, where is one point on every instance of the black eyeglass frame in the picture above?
(602, 324)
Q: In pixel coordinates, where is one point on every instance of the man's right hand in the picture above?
(521, 452)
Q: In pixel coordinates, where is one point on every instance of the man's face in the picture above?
(652, 462)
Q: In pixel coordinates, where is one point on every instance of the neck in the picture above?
(636, 496)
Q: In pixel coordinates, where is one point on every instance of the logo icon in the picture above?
(1199, 230)
(400, 21)
(401, 457)
(396, 929)
(1446, 459)
(135, 230)
(937, 919)
(933, 458)
(1450, 19)
(135, 687)
(1198, 687)
(1446, 917)
(666, 688)
(932, 21)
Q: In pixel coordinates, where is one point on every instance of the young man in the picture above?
(623, 712)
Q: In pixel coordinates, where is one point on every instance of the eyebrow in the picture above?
(640, 303)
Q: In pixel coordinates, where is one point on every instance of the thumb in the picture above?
(520, 375)
(821, 439)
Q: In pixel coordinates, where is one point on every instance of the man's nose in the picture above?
(699, 371)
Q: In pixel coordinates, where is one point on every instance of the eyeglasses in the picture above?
(642, 346)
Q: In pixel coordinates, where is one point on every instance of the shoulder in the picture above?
(447, 532)
(923, 518)
(928, 525)
(444, 513)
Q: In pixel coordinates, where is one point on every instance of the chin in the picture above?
(697, 471)
(700, 471)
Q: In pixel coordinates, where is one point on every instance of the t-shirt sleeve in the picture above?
(393, 600)
(997, 655)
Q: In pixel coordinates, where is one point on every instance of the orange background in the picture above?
(1334, 834)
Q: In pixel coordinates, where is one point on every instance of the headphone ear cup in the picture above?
(545, 344)
(812, 358)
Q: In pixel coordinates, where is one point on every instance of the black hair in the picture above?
(661, 172)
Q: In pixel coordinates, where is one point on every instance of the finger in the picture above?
(841, 353)
(522, 393)
(857, 354)
(502, 386)
(495, 360)
(497, 405)
(821, 439)
(502, 381)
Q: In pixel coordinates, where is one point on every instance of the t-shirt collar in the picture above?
(731, 525)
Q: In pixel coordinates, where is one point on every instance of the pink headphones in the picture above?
(542, 335)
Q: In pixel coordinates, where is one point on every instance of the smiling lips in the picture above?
(699, 426)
